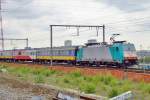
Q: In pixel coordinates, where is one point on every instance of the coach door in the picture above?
(33, 54)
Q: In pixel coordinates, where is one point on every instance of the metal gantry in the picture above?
(17, 39)
(97, 27)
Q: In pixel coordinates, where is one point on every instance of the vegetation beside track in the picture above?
(145, 60)
(102, 85)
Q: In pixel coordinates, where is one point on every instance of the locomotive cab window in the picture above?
(117, 48)
(128, 48)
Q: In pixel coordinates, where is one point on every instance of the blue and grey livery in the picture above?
(117, 53)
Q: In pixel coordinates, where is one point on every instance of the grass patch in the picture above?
(47, 72)
(24, 70)
(113, 92)
(144, 87)
(66, 80)
(107, 85)
(39, 79)
(75, 74)
(88, 88)
(36, 71)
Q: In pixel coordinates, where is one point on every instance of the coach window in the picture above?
(38, 52)
(19, 53)
(56, 52)
(70, 52)
(63, 52)
(47, 51)
(60, 52)
(44, 52)
(32, 53)
(53, 52)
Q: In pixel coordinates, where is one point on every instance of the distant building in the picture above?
(68, 43)
(143, 53)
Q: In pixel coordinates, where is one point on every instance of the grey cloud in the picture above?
(23, 9)
(24, 16)
(127, 5)
(24, 2)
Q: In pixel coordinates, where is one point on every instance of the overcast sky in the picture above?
(31, 18)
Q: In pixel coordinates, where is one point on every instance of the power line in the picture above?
(129, 26)
(128, 20)
(80, 31)
(73, 33)
(136, 31)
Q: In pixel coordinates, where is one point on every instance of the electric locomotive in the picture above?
(118, 53)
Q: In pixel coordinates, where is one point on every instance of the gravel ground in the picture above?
(7, 93)
(12, 89)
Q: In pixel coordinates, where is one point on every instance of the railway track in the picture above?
(137, 70)
(123, 69)
(91, 67)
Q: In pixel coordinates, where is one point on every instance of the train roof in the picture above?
(61, 47)
(119, 41)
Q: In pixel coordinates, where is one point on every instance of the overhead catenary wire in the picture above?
(125, 31)
(74, 33)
